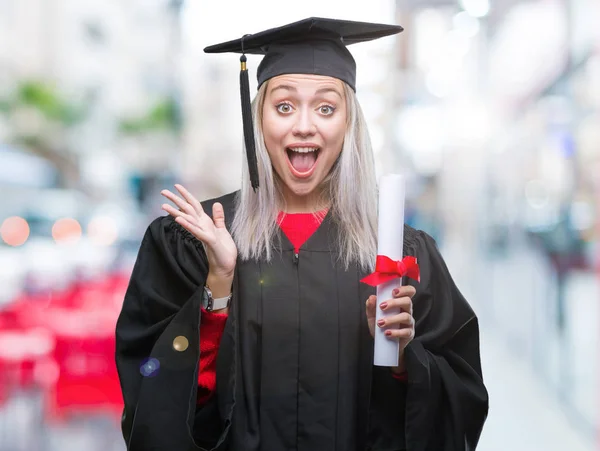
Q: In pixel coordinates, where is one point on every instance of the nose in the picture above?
(304, 125)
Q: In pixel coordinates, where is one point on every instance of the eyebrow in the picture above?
(319, 91)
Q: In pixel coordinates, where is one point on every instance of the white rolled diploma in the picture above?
(390, 240)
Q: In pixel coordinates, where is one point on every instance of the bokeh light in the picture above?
(66, 230)
(150, 367)
(476, 8)
(14, 231)
(102, 230)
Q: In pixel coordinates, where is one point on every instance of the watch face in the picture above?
(206, 304)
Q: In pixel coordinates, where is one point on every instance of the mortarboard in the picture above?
(310, 46)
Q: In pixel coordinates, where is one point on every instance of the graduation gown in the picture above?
(295, 363)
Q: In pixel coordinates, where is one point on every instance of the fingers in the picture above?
(402, 299)
(191, 215)
(402, 319)
(182, 204)
(403, 304)
(399, 326)
(404, 290)
(190, 199)
(399, 323)
(176, 213)
(192, 228)
(218, 215)
(187, 221)
(406, 333)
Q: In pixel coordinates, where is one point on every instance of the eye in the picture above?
(326, 110)
(284, 108)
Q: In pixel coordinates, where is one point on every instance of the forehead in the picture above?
(306, 82)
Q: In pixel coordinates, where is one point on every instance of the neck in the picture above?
(309, 203)
(304, 205)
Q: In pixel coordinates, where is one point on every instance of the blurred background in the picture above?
(492, 107)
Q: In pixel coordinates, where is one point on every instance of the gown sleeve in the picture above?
(157, 340)
(445, 403)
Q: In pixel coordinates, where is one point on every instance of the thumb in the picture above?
(218, 215)
(371, 306)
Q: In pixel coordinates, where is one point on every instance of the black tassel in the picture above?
(247, 121)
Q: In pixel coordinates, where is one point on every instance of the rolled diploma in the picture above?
(390, 240)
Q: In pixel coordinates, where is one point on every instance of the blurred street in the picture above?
(523, 415)
(543, 393)
(527, 408)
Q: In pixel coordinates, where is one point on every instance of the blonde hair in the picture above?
(350, 188)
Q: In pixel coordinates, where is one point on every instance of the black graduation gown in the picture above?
(294, 369)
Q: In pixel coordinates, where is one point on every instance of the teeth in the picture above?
(303, 149)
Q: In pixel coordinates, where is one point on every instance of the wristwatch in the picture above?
(209, 303)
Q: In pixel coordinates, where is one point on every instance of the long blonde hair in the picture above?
(350, 187)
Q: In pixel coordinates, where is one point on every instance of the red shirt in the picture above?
(211, 330)
(298, 227)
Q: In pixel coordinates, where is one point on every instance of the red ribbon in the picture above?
(387, 269)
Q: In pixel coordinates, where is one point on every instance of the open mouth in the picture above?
(302, 160)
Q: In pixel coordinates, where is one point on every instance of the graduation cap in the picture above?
(311, 46)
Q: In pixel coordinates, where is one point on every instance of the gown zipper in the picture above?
(296, 261)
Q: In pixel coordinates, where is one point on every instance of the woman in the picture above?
(262, 287)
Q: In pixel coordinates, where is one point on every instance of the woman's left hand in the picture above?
(401, 303)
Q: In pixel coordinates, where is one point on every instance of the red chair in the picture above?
(20, 352)
(85, 348)
(75, 364)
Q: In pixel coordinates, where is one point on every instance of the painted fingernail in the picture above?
(395, 292)
(381, 322)
(388, 333)
(383, 305)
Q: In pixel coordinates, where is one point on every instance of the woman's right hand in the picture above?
(221, 250)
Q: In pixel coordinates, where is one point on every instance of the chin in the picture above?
(302, 188)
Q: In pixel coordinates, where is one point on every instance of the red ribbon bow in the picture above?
(387, 269)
